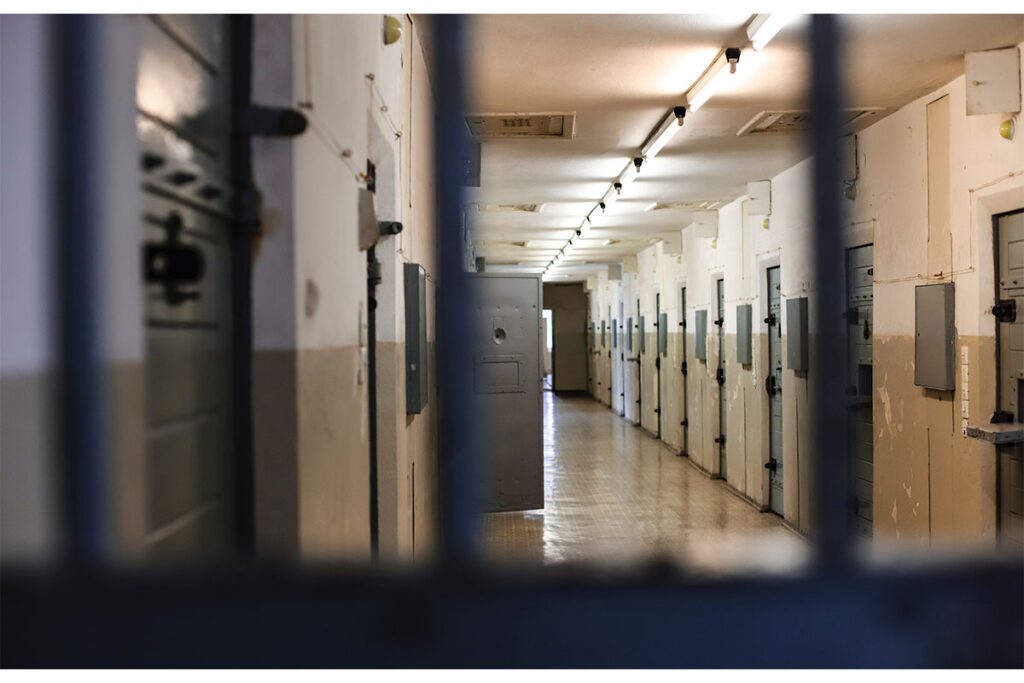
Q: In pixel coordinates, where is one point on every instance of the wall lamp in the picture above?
(713, 78)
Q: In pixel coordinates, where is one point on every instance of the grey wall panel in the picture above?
(744, 319)
(415, 338)
(796, 334)
(934, 337)
(700, 333)
(663, 334)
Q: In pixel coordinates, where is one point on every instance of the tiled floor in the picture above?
(615, 495)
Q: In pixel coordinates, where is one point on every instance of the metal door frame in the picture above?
(768, 266)
(683, 370)
(718, 278)
(657, 355)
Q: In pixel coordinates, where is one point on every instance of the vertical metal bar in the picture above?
(831, 525)
(81, 406)
(372, 280)
(458, 456)
(245, 207)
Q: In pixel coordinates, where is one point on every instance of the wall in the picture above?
(570, 354)
(930, 221)
(310, 363)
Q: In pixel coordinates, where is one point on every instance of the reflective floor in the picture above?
(615, 495)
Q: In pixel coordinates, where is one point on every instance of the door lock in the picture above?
(720, 440)
(772, 465)
(770, 320)
(771, 385)
(720, 322)
(172, 263)
(720, 376)
(684, 367)
(1005, 310)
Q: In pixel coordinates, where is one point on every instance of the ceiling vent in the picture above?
(510, 208)
(800, 121)
(695, 205)
(550, 125)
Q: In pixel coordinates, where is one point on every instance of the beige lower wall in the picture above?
(933, 486)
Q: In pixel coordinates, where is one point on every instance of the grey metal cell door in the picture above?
(859, 303)
(659, 328)
(1010, 344)
(720, 376)
(504, 352)
(623, 331)
(183, 127)
(773, 387)
(684, 420)
(638, 369)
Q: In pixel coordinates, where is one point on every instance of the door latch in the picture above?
(720, 375)
(684, 367)
(771, 385)
(173, 264)
(770, 320)
(720, 322)
(1005, 310)
(720, 440)
(772, 465)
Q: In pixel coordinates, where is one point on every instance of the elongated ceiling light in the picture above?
(666, 131)
(764, 27)
(713, 78)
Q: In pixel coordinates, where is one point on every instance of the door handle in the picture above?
(173, 264)
(771, 386)
(770, 320)
(720, 440)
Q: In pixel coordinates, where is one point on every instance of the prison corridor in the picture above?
(615, 495)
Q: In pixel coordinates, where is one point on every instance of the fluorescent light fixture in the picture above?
(584, 227)
(764, 27)
(712, 79)
(666, 131)
(612, 195)
(631, 171)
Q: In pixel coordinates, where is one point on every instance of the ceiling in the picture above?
(621, 74)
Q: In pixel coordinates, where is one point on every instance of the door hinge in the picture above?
(720, 322)
(720, 440)
(770, 320)
(684, 423)
(772, 465)
(684, 367)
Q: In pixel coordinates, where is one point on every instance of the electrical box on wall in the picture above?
(744, 350)
(934, 337)
(415, 338)
(993, 81)
(663, 334)
(642, 335)
(759, 198)
(700, 333)
(796, 334)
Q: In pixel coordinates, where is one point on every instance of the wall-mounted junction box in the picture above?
(415, 338)
(663, 334)
(934, 337)
(796, 334)
(993, 81)
(744, 346)
(700, 334)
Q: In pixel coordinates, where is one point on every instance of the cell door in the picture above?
(685, 420)
(659, 326)
(504, 363)
(183, 127)
(639, 346)
(1010, 344)
(773, 387)
(859, 302)
(624, 330)
(720, 376)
